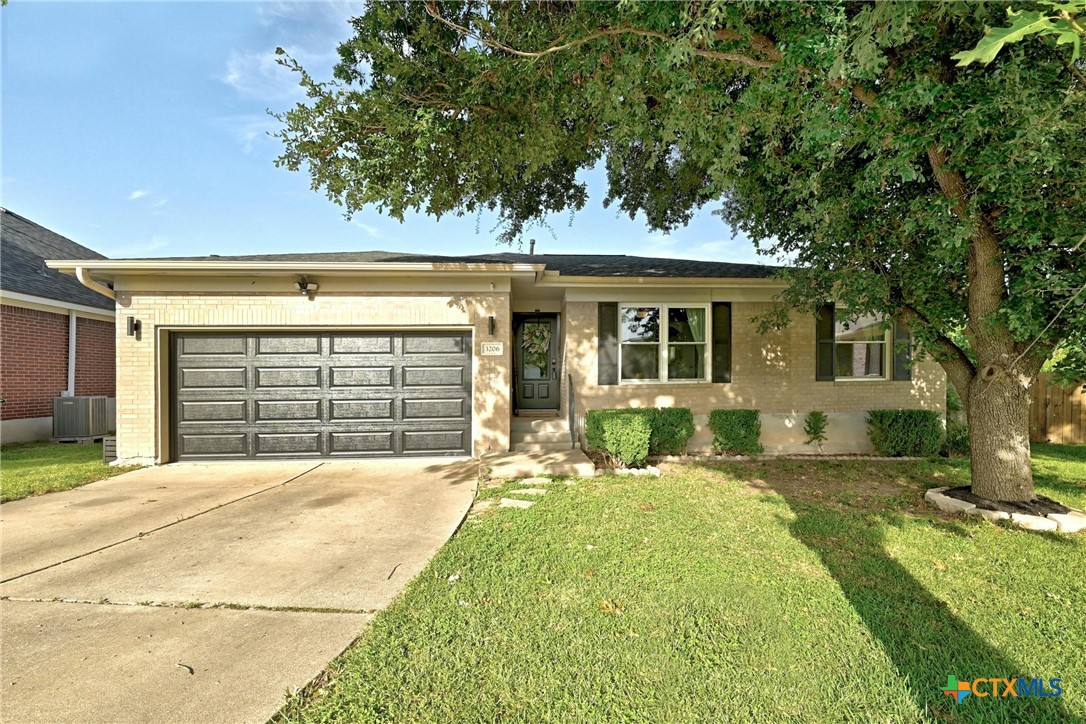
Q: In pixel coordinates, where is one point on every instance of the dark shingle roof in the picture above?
(588, 265)
(24, 247)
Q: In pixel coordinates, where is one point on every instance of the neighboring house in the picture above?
(56, 336)
(376, 353)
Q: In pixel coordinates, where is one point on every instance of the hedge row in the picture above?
(628, 436)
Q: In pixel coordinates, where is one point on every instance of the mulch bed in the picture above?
(1040, 505)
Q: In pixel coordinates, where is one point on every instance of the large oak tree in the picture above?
(841, 134)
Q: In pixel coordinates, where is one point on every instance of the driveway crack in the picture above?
(194, 605)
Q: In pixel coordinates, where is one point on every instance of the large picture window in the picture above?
(860, 347)
(661, 343)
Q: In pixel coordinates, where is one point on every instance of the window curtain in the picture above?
(696, 319)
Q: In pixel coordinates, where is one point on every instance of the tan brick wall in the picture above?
(142, 398)
(774, 373)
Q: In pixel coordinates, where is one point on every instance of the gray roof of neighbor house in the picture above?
(584, 265)
(24, 247)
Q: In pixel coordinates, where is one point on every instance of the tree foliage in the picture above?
(1062, 20)
(840, 134)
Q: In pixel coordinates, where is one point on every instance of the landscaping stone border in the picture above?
(780, 456)
(1073, 521)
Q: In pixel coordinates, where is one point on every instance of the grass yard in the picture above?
(781, 591)
(34, 468)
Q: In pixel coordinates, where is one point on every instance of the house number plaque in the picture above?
(491, 349)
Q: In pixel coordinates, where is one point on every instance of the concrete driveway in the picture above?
(203, 592)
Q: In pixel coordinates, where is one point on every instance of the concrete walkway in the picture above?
(203, 592)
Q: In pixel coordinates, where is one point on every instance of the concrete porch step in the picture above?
(543, 462)
(566, 444)
(540, 424)
(562, 436)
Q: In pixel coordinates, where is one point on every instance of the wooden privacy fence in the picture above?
(1057, 413)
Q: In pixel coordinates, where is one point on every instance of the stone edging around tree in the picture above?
(766, 457)
(1072, 521)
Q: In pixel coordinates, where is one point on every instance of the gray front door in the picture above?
(537, 362)
(320, 394)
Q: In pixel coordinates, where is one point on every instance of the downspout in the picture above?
(71, 355)
(85, 279)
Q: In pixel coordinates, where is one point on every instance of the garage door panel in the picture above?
(433, 376)
(354, 443)
(347, 410)
(364, 344)
(333, 394)
(453, 408)
(229, 378)
(288, 410)
(362, 376)
(219, 445)
(288, 377)
(287, 443)
(433, 441)
(416, 344)
(270, 344)
(213, 411)
(213, 345)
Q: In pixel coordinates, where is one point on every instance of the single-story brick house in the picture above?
(378, 353)
(56, 335)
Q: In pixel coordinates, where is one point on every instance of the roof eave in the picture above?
(553, 279)
(111, 268)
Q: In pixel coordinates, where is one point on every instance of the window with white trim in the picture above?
(663, 342)
(861, 347)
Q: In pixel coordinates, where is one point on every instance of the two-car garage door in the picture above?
(330, 394)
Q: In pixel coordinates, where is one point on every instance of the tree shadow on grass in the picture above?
(922, 637)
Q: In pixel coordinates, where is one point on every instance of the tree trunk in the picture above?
(998, 412)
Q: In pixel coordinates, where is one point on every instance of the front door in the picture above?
(537, 362)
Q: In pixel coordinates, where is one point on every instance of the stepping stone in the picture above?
(481, 505)
(511, 503)
(1071, 522)
(535, 481)
(528, 491)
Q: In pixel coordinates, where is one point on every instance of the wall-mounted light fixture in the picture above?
(134, 326)
(490, 325)
(307, 287)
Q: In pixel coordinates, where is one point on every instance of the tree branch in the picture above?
(984, 266)
(957, 365)
(432, 11)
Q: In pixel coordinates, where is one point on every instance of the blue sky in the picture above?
(140, 129)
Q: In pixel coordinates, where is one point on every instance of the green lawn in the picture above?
(34, 468)
(781, 591)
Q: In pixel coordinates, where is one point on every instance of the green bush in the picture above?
(672, 428)
(957, 440)
(815, 424)
(736, 432)
(622, 435)
(897, 433)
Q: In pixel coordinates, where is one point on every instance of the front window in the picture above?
(662, 342)
(860, 346)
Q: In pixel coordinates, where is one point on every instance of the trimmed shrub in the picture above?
(622, 435)
(736, 432)
(957, 440)
(897, 433)
(815, 425)
(672, 428)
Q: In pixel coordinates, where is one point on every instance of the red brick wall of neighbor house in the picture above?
(95, 360)
(34, 360)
